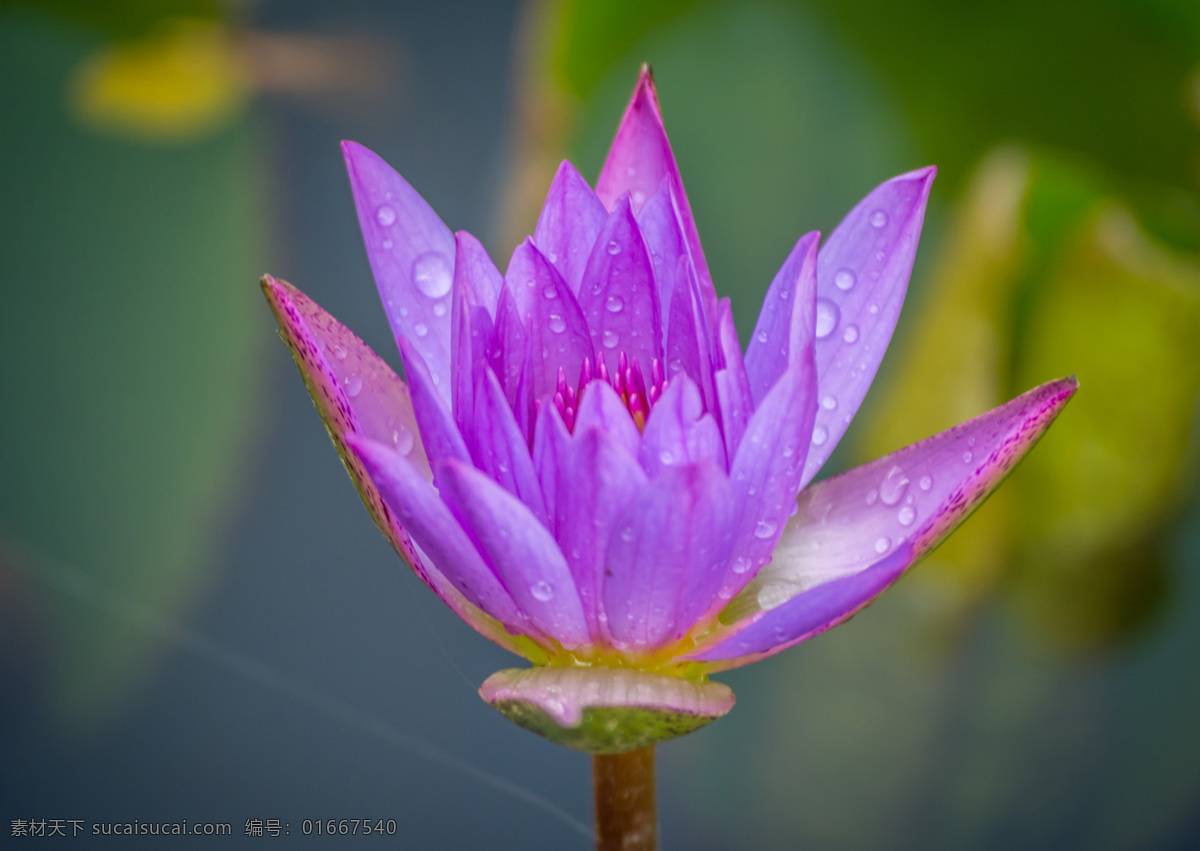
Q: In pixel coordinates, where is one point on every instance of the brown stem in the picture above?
(626, 811)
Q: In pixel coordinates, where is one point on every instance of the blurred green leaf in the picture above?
(130, 334)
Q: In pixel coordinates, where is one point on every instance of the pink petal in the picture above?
(786, 322)
(411, 253)
(569, 224)
(667, 555)
(905, 502)
(558, 333)
(640, 160)
(417, 505)
(679, 431)
(862, 276)
(500, 449)
(520, 550)
(619, 296)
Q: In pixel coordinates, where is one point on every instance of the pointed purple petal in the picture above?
(663, 231)
(679, 431)
(600, 407)
(520, 550)
(558, 333)
(786, 322)
(904, 502)
(766, 470)
(594, 481)
(418, 506)
(667, 555)
(619, 296)
(640, 160)
(412, 256)
(810, 613)
(862, 276)
(500, 448)
(689, 341)
(570, 221)
(475, 274)
(439, 434)
(477, 285)
(732, 383)
(507, 357)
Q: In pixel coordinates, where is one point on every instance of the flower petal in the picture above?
(593, 479)
(663, 231)
(766, 470)
(679, 430)
(417, 505)
(732, 383)
(640, 160)
(439, 434)
(689, 341)
(558, 333)
(667, 555)
(600, 407)
(509, 346)
(477, 285)
(569, 223)
(907, 501)
(619, 296)
(786, 322)
(520, 550)
(412, 256)
(475, 274)
(862, 276)
(500, 449)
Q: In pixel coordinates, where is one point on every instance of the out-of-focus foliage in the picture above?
(1046, 270)
(122, 19)
(130, 337)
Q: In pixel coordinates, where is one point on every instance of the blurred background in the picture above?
(198, 620)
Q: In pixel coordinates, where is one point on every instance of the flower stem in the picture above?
(626, 810)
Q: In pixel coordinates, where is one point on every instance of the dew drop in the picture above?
(926, 482)
(614, 248)
(402, 439)
(665, 457)
(431, 274)
(387, 244)
(893, 486)
(827, 317)
(765, 529)
(881, 546)
(340, 352)
(829, 403)
(639, 197)
(557, 323)
(850, 335)
(761, 336)
(739, 566)
(788, 451)
(353, 385)
(385, 215)
(439, 309)
(614, 304)
(873, 497)
(873, 309)
(542, 591)
(610, 339)
(549, 291)
(627, 534)
(878, 219)
(421, 328)
(844, 279)
(906, 515)
(967, 456)
(820, 435)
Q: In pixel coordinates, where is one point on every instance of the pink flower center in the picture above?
(638, 395)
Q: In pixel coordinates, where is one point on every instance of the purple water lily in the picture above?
(588, 468)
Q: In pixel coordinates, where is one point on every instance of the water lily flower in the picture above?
(588, 468)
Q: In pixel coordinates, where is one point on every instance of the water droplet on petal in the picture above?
(614, 248)
(402, 439)
(627, 534)
(542, 591)
(878, 219)
(873, 309)
(873, 497)
(906, 515)
(850, 335)
(549, 291)
(892, 488)
(765, 529)
(665, 457)
(761, 336)
(827, 317)
(385, 215)
(340, 352)
(844, 279)
(820, 435)
(967, 456)
(353, 385)
(926, 482)
(557, 323)
(421, 328)
(829, 403)
(387, 244)
(439, 309)
(610, 339)
(881, 546)
(614, 304)
(431, 274)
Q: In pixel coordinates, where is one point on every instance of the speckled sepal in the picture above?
(604, 710)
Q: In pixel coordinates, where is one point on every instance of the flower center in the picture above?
(627, 379)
